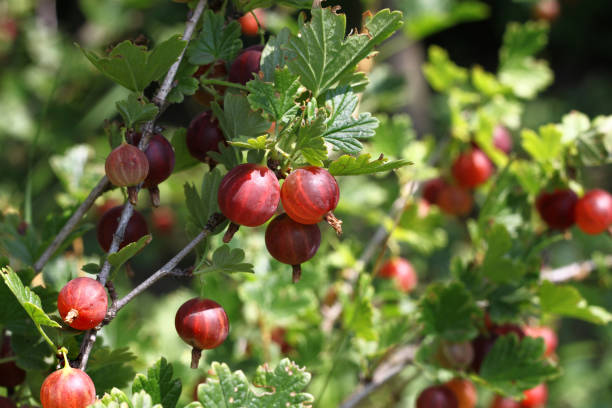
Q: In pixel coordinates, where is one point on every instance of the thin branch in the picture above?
(71, 223)
(574, 271)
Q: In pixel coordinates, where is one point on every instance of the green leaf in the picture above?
(310, 143)
(92, 268)
(343, 129)
(321, 55)
(350, 166)
(358, 317)
(202, 207)
(120, 257)
(237, 120)
(226, 260)
(513, 366)
(279, 388)
(186, 84)
(136, 110)
(449, 311)
(133, 67)
(274, 56)
(30, 349)
(216, 41)
(118, 399)
(566, 300)
(393, 135)
(441, 73)
(526, 77)
(262, 142)
(159, 384)
(27, 299)
(499, 264)
(110, 368)
(276, 99)
(523, 40)
(546, 147)
(183, 159)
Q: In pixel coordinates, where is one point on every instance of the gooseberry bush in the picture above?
(279, 153)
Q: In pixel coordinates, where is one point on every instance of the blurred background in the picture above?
(55, 105)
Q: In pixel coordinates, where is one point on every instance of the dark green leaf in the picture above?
(117, 259)
(226, 260)
(349, 166)
(135, 110)
(159, 384)
(237, 120)
(276, 99)
(565, 300)
(216, 41)
(110, 368)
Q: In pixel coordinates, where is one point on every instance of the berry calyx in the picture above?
(455, 200)
(402, 272)
(245, 65)
(203, 136)
(502, 139)
(136, 228)
(545, 333)
(203, 324)
(464, 391)
(248, 195)
(248, 22)
(10, 374)
(292, 243)
(501, 402)
(432, 188)
(67, 388)
(535, 397)
(593, 212)
(557, 208)
(309, 194)
(437, 397)
(82, 303)
(127, 166)
(472, 168)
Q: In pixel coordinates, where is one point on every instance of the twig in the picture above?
(576, 270)
(71, 223)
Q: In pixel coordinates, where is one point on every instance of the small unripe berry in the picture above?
(593, 212)
(402, 271)
(126, 166)
(136, 228)
(67, 388)
(472, 168)
(203, 136)
(464, 391)
(557, 208)
(82, 303)
(292, 243)
(246, 64)
(203, 324)
(437, 397)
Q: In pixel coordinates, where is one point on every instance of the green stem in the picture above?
(8, 359)
(47, 339)
(211, 81)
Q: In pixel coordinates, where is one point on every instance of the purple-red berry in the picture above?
(557, 208)
(203, 136)
(136, 228)
(246, 65)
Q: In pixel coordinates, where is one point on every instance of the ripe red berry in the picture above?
(309, 194)
(432, 188)
(245, 65)
(163, 219)
(248, 23)
(481, 345)
(547, 334)
(501, 402)
(455, 200)
(291, 242)
(203, 136)
(437, 397)
(502, 139)
(535, 397)
(593, 212)
(279, 336)
(7, 403)
(126, 166)
(472, 168)
(82, 303)
(216, 70)
(67, 388)
(136, 228)
(557, 208)
(464, 391)
(548, 10)
(10, 374)
(203, 324)
(248, 195)
(455, 355)
(402, 272)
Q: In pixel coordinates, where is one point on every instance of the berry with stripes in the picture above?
(248, 195)
(437, 397)
(82, 303)
(593, 212)
(67, 387)
(292, 243)
(203, 324)
(127, 166)
(310, 194)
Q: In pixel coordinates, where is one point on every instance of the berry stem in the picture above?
(154, 195)
(231, 230)
(297, 273)
(133, 194)
(196, 355)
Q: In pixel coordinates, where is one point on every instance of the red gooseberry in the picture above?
(548, 10)
(279, 336)
(454, 200)
(82, 303)
(292, 243)
(126, 166)
(437, 397)
(501, 402)
(203, 136)
(10, 374)
(557, 208)
(481, 346)
(545, 333)
(245, 65)
(464, 390)
(248, 22)
(136, 228)
(432, 188)
(472, 168)
(67, 388)
(402, 272)
(203, 324)
(535, 397)
(502, 139)
(593, 212)
(309, 194)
